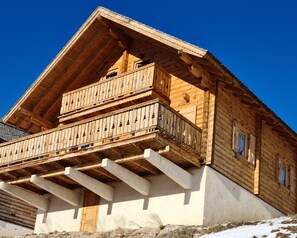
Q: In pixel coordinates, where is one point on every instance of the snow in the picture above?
(268, 228)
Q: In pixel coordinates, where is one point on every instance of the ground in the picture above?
(283, 227)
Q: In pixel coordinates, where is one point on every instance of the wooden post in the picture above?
(258, 154)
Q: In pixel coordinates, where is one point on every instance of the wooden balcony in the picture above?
(121, 136)
(143, 84)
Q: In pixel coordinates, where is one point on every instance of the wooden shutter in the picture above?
(252, 149)
(235, 136)
(278, 167)
(292, 179)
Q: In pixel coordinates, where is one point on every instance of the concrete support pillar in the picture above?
(176, 173)
(136, 182)
(59, 191)
(97, 187)
(34, 199)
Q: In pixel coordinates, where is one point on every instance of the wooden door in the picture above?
(90, 212)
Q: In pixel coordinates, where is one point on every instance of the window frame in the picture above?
(108, 75)
(146, 61)
(285, 174)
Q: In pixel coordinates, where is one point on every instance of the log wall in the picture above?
(259, 178)
(269, 188)
(183, 83)
(16, 211)
(225, 160)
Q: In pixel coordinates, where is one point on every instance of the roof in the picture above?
(9, 132)
(42, 100)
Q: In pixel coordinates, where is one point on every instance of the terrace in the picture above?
(121, 136)
(147, 82)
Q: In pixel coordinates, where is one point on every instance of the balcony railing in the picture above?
(148, 117)
(140, 80)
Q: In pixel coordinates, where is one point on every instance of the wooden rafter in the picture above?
(148, 167)
(195, 69)
(123, 40)
(36, 119)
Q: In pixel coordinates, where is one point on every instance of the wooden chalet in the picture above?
(128, 121)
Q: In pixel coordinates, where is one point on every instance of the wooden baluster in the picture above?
(97, 130)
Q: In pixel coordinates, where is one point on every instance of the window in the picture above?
(111, 74)
(142, 63)
(243, 144)
(241, 148)
(285, 174)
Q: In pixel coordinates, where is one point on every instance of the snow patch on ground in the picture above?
(283, 227)
(278, 227)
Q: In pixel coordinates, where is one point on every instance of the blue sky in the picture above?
(255, 39)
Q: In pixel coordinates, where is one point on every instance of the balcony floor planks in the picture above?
(132, 161)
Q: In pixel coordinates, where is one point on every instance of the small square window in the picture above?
(111, 74)
(142, 63)
(241, 144)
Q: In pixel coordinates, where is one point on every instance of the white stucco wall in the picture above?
(168, 203)
(225, 201)
(9, 229)
(61, 216)
(214, 199)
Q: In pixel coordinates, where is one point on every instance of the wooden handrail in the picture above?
(138, 119)
(150, 76)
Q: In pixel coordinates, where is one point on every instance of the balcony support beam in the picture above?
(97, 187)
(136, 182)
(176, 173)
(59, 191)
(34, 199)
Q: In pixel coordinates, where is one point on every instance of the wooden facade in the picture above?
(120, 87)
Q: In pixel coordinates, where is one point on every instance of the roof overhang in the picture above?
(102, 31)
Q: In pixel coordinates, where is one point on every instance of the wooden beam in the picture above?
(251, 104)
(147, 166)
(124, 64)
(59, 191)
(90, 183)
(123, 40)
(36, 119)
(34, 199)
(191, 157)
(195, 68)
(136, 182)
(176, 173)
